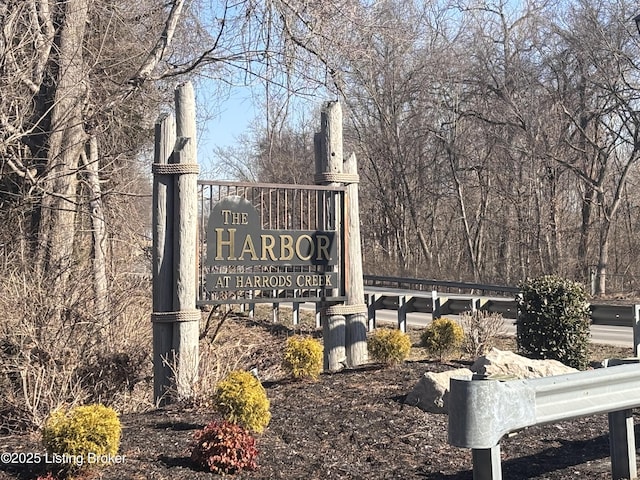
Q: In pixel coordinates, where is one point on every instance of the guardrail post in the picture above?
(475, 304)
(296, 313)
(318, 316)
(486, 463)
(636, 330)
(372, 298)
(252, 305)
(402, 313)
(622, 445)
(436, 305)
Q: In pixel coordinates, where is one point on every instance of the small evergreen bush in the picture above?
(224, 448)
(553, 320)
(303, 357)
(241, 399)
(86, 433)
(388, 346)
(441, 337)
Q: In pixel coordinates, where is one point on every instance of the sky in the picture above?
(222, 120)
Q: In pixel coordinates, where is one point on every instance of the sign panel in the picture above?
(242, 255)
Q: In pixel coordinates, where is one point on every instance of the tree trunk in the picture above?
(66, 144)
(98, 228)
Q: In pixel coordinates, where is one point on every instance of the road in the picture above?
(603, 334)
(619, 336)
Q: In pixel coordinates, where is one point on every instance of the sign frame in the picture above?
(270, 243)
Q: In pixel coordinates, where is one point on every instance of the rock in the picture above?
(506, 364)
(432, 391)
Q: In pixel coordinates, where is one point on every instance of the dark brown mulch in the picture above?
(350, 425)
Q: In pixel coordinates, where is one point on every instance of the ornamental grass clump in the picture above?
(83, 437)
(389, 346)
(442, 337)
(553, 321)
(303, 357)
(224, 448)
(241, 399)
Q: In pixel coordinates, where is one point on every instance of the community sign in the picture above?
(244, 256)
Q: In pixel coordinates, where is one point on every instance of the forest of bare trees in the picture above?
(496, 140)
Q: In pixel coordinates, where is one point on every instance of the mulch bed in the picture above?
(348, 425)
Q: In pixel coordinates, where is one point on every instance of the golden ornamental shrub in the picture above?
(388, 346)
(303, 357)
(441, 337)
(87, 434)
(241, 399)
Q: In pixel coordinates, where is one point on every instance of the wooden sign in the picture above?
(236, 237)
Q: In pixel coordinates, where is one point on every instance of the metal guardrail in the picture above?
(437, 305)
(441, 285)
(481, 412)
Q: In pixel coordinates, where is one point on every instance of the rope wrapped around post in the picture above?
(175, 168)
(341, 309)
(181, 316)
(333, 177)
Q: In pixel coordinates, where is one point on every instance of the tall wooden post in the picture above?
(329, 161)
(186, 329)
(176, 321)
(356, 321)
(165, 135)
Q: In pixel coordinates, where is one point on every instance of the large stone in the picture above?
(432, 391)
(506, 364)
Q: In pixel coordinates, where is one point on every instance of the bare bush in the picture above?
(481, 329)
(54, 352)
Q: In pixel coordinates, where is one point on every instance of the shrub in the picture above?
(441, 337)
(553, 320)
(224, 448)
(388, 346)
(242, 399)
(109, 376)
(48, 476)
(480, 331)
(84, 430)
(303, 357)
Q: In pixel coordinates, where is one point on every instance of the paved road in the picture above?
(620, 336)
(604, 334)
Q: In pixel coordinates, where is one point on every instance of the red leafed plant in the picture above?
(224, 447)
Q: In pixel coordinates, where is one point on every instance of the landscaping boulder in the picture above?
(432, 391)
(505, 364)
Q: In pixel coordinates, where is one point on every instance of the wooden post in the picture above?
(186, 330)
(162, 273)
(328, 152)
(356, 324)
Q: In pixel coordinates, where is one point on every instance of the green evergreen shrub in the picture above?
(86, 433)
(241, 399)
(553, 320)
(441, 337)
(388, 346)
(303, 357)
(224, 448)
